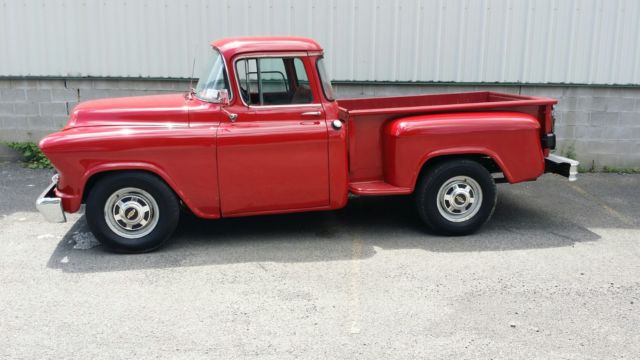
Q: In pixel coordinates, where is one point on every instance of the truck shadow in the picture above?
(368, 223)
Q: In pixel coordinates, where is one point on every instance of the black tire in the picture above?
(135, 189)
(439, 209)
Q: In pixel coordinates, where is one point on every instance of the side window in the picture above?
(273, 81)
(273, 76)
(301, 72)
(247, 73)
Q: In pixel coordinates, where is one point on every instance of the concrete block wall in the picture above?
(600, 126)
(30, 109)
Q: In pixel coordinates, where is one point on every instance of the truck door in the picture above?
(274, 156)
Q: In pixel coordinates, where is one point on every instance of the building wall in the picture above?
(598, 125)
(512, 41)
(59, 52)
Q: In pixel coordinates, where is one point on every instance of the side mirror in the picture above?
(223, 97)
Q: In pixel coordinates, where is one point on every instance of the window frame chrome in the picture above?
(298, 54)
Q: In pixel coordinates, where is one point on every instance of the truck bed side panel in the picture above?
(511, 139)
(367, 117)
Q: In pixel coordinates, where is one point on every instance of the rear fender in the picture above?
(511, 139)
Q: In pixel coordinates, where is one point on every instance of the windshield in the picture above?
(213, 78)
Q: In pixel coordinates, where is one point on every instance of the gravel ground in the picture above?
(555, 274)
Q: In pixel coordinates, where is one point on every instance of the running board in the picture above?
(379, 187)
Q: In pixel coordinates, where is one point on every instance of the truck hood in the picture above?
(131, 111)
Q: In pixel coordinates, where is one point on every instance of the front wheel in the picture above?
(132, 211)
(456, 197)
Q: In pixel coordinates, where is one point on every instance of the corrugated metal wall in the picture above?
(541, 41)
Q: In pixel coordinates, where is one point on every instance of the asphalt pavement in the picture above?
(554, 275)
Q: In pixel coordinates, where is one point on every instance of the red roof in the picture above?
(236, 45)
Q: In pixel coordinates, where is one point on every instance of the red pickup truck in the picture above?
(263, 134)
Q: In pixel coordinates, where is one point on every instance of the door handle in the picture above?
(311, 113)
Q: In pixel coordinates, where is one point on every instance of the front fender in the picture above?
(511, 139)
(185, 158)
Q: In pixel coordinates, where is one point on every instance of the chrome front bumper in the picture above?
(562, 166)
(49, 205)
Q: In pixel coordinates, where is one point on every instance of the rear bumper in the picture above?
(562, 166)
(49, 205)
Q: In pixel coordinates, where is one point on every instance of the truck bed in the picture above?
(365, 118)
(434, 103)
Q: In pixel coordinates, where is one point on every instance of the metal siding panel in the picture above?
(428, 40)
(29, 32)
(481, 48)
(577, 41)
(383, 56)
(561, 31)
(365, 42)
(331, 33)
(495, 38)
(11, 28)
(407, 53)
(604, 44)
(341, 57)
(583, 24)
(469, 63)
(634, 45)
(451, 49)
(629, 32)
(536, 40)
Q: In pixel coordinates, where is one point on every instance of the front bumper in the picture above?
(562, 166)
(49, 205)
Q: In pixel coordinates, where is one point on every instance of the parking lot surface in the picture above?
(554, 274)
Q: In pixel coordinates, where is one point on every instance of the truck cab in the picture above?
(262, 133)
(274, 140)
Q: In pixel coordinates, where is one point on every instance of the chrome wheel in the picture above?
(459, 198)
(131, 213)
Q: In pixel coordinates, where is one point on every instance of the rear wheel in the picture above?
(456, 197)
(132, 211)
